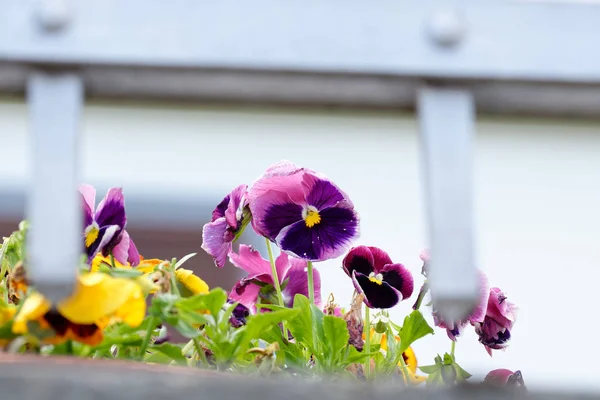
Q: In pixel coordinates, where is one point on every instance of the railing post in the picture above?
(446, 118)
(54, 246)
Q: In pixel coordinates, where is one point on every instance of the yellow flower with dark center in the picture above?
(190, 284)
(98, 301)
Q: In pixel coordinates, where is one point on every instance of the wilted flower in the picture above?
(259, 283)
(500, 316)
(455, 329)
(374, 274)
(104, 226)
(505, 379)
(229, 218)
(99, 300)
(303, 212)
(354, 321)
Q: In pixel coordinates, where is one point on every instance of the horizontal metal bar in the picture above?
(466, 39)
(315, 89)
(447, 129)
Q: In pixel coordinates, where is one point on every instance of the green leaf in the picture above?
(186, 329)
(335, 337)
(435, 378)
(414, 328)
(307, 326)
(172, 351)
(260, 322)
(461, 374)
(212, 301)
(430, 369)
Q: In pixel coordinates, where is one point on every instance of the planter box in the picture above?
(66, 378)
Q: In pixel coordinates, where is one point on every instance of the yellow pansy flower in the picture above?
(98, 301)
(191, 284)
(409, 356)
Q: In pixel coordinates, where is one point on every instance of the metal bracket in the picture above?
(54, 209)
(446, 118)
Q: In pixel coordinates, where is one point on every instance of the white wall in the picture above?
(537, 203)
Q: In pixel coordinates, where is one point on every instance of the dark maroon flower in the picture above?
(373, 273)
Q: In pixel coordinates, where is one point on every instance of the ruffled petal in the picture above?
(400, 278)
(500, 309)
(111, 210)
(250, 260)
(88, 192)
(376, 295)
(215, 241)
(329, 239)
(360, 259)
(88, 213)
(121, 251)
(297, 283)
(235, 200)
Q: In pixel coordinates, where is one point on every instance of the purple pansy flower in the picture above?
(373, 273)
(239, 314)
(104, 226)
(292, 275)
(494, 330)
(303, 212)
(455, 329)
(228, 219)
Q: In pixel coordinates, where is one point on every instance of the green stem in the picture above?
(367, 340)
(200, 351)
(405, 372)
(311, 284)
(171, 269)
(452, 348)
(69, 347)
(277, 285)
(151, 325)
(112, 260)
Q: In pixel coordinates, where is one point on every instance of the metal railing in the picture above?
(446, 58)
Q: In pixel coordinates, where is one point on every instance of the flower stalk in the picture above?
(311, 285)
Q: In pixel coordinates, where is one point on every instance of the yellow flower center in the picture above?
(378, 279)
(311, 217)
(91, 234)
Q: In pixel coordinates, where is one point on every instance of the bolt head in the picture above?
(52, 15)
(446, 28)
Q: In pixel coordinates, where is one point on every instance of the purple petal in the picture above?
(133, 255)
(246, 294)
(105, 235)
(111, 210)
(283, 264)
(400, 278)
(121, 250)
(219, 211)
(282, 168)
(297, 283)
(360, 259)
(235, 200)
(214, 241)
(376, 296)
(326, 240)
(250, 260)
(500, 309)
(88, 192)
(279, 216)
(321, 193)
(498, 377)
(380, 258)
(88, 213)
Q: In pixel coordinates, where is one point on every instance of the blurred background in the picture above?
(537, 199)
